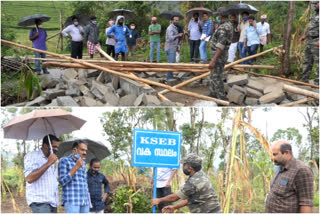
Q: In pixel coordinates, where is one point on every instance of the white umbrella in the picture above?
(39, 123)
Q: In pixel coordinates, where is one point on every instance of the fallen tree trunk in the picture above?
(305, 100)
(221, 102)
(225, 67)
(304, 92)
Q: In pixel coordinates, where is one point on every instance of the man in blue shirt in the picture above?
(120, 30)
(207, 26)
(38, 36)
(132, 40)
(251, 38)
(73, 179)
(95, 181)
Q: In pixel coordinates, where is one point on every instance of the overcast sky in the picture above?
(274, 119)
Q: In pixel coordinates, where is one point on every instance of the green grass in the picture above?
(13, 11)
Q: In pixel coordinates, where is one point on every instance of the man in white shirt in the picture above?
(241, 28)
(165, 176)
(265, 31)
(75, 32)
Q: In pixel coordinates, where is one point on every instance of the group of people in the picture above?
(291, 189)
(225, 37)
(81, 189)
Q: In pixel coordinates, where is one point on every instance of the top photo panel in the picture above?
(160, 53)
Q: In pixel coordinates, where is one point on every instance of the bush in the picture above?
(140, 201)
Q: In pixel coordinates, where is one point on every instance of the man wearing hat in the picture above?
(154, 32)
(312, 46)
(265, 31)
(220, 43)
(197, 192)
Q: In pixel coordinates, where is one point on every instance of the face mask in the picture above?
(245, 18)
(154, 22)
(196, 19)
(219, 20)
(76, 23)
(93, 172)
(120, 23)
(176, 23)
(186, 172)
(133, 27)
(94, 22)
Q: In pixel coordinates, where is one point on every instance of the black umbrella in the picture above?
(168, 14)
(95, 149)
(199, 10)
(82, 19)
(240, 8)
(128, 14)
(30, 20)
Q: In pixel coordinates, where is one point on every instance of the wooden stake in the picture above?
(279, 78)
(305, 100)
(301, 91)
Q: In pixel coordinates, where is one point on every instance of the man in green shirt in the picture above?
(154, 32)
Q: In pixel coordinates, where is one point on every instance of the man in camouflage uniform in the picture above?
(220, 43)
(197, 192)
(312, 46)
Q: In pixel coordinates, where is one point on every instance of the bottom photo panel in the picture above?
(153, 160)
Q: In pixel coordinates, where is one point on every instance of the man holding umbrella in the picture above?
(73, 179)
(220, 43)
(38, 36)
(42, 192)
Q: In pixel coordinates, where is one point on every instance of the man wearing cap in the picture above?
(312, 47)
(265, 32)
(92, 36)
(154, 32)
(42, 191)
(197, 193)
(220, 43)
(291, 190)
(75, 32)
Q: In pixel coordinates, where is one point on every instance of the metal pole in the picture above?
(155, 187)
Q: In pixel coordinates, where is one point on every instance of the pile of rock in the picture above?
(80, 87)
(245, 90)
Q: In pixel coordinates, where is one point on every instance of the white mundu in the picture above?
(162, 182)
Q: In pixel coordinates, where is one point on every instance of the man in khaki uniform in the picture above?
(197, 193)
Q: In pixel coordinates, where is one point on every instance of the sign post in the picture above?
(156, 149)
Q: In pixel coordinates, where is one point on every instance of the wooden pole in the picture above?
(305, 100)
(116, 77)
(53, 36)
(279, 78)
(221, 102)
(226, 67)
(61, 29)
(301, 91)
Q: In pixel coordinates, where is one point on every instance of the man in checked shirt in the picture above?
(292, 188)
(73, 179)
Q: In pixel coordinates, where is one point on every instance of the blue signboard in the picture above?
(156, 148)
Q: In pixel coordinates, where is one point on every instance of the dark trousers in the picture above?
(111, 51)
(252, 50)
(42, 208)
(76, 49)
(162, 192)
(194, 49)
